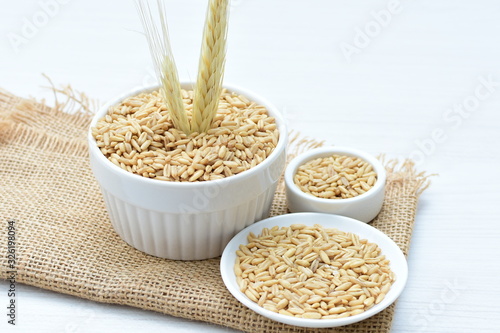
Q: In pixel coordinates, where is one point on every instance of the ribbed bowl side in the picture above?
(184, 236)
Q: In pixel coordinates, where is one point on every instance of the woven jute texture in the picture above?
(65, 241)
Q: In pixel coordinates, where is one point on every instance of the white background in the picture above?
(397, 93)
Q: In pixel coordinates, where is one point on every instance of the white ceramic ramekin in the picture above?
(364, 207)
(182, 220)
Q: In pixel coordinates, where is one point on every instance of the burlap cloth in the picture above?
(65, 241)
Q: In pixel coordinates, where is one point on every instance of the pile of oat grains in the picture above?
(335, 177)
(138, 136)
(312, 272)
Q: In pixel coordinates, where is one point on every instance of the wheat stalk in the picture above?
(163, 59)
(211, 66)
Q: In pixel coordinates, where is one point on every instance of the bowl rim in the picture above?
(229, 279)
(312, 154)
(271, 108)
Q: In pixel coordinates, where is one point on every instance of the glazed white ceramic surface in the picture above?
(392, 252)
(182, 220)
(364, 207)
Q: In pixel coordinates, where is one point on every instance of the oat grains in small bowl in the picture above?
(336, 180)
(184, 196)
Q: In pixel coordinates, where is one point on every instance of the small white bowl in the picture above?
(364, 207)
(392, 252)
(183, 220)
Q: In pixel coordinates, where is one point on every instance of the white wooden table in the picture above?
(416, 79)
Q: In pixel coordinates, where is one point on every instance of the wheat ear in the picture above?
(163, 59)
(211, 67)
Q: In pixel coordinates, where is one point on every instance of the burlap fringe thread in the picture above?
(65, 242)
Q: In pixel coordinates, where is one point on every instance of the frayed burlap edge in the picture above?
(72, 111)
